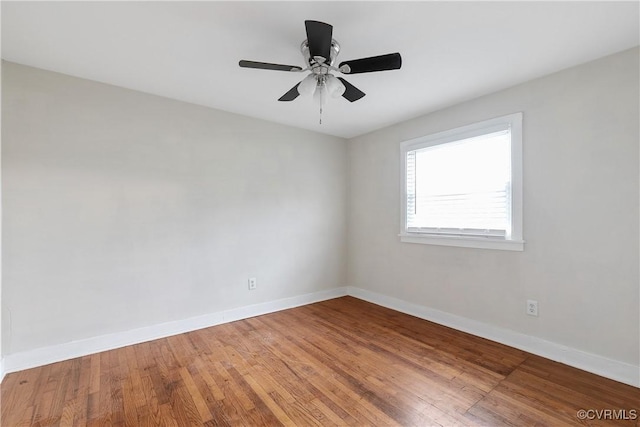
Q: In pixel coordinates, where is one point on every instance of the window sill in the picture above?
(463, 241)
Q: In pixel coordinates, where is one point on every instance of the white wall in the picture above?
(124, 210)
(581, 195)
(1, 350)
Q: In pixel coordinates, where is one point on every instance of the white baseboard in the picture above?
(599, 365)
(56, 353)
(613, 369)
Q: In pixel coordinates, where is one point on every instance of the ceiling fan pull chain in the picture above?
(321, 93)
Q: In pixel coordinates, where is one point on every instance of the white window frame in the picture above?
(513, 241)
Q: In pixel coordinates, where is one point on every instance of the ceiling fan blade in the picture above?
(391, 61)
(291, 95)
(352, 93)
(268, 66)
(319, 39)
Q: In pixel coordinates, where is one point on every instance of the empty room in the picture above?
(296, 213)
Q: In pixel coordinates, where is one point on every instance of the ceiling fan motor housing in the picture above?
(319, 64)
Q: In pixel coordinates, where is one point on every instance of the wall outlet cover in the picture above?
(532, 307)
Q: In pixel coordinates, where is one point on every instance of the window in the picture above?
(463, 187)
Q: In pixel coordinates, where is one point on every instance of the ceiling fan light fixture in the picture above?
(334, 86)
(321, 94)
(308, 85)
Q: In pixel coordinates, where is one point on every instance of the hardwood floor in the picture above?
(338, 362)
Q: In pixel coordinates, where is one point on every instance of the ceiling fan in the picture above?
(320, 51)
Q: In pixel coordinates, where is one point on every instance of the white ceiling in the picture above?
(452, 51)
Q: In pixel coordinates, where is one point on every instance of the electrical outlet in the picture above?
(253, 283)
(532, 307)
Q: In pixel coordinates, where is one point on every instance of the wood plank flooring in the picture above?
(338, 362)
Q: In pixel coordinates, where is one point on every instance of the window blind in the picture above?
(461, 187)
